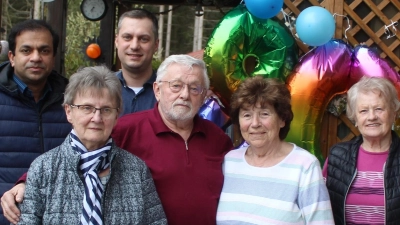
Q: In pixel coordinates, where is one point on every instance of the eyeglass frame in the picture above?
(188, 85)
(94, 109)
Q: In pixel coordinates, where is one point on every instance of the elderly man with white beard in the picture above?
(183, 151)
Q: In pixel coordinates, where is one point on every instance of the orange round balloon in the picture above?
(93, 51)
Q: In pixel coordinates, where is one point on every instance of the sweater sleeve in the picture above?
(313, 196)
(32, 208)
(22, 179)
(154, 212)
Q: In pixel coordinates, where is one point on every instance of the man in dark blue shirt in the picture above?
(136, 42)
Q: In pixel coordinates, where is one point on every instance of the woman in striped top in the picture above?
(270, 181)
(363, 175)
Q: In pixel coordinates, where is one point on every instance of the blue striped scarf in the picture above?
(90, 164)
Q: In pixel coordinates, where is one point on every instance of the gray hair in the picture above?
(138, 13)
(185, 60)
(372, 84)
(96, 77)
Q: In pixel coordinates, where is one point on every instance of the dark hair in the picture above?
(264, 91)
(138, 13)
(31, 25)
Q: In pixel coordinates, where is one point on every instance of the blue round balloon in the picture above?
(315, 26)
(264, 9)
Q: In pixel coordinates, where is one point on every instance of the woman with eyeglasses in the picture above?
(88, 179)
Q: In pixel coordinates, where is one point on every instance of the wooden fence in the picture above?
(367, 20)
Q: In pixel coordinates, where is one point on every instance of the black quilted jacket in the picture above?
(342, 171)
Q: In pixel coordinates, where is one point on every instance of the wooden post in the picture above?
(107, 34)
(1, 11)
(338, 9)
(1, 20)
(58, 21)
(121, 10)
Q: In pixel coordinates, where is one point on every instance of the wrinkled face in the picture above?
(33, 60)
(374, 118)
(260, 126)
(136, 44)
(182, 105)
(93, 129)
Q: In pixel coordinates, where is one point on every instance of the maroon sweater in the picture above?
(188, 176)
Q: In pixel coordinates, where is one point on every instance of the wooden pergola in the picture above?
(58, 13)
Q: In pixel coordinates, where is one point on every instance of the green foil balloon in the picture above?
(242, 46)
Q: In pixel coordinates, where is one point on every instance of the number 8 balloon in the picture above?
(315, 26)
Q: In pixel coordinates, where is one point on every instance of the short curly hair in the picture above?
(372, 84)
(263, 91)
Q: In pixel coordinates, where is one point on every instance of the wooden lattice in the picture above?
(367, 20)
(334, 130)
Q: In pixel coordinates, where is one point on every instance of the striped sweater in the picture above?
(291, 192)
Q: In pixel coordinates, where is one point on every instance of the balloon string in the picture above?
(388, 31)
(348, 23)
(287, 20)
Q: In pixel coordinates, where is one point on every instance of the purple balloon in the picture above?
(367, 62)
(212, 111)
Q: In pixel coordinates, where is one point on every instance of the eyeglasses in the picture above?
(177, 85)
(88, 109)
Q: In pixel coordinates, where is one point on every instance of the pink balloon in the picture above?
(367, 62)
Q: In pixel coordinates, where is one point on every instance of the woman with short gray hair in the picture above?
(88, 179)
(362, 175)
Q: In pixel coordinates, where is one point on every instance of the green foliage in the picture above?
(79, 32)
(155, 63)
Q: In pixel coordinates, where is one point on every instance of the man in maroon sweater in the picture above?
(183, 151)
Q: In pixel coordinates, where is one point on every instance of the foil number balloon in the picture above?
(242, 46)
(320, 75)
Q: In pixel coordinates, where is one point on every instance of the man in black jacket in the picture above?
(32, 120)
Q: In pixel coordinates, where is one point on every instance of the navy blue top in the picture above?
(23, 88)
(26, 130)
(143, 100)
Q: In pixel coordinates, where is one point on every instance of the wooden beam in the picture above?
(1, 12)
(380, 15)
(338, 9)
(107, 34)
(121, 10)
(58, 20)
(371, 34)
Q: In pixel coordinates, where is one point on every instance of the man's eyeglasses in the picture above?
(177, 85)
(88, 109)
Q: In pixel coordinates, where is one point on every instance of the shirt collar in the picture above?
(21, 85)
(148, 82)
(25, 90)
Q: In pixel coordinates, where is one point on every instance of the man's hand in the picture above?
(9, 200)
